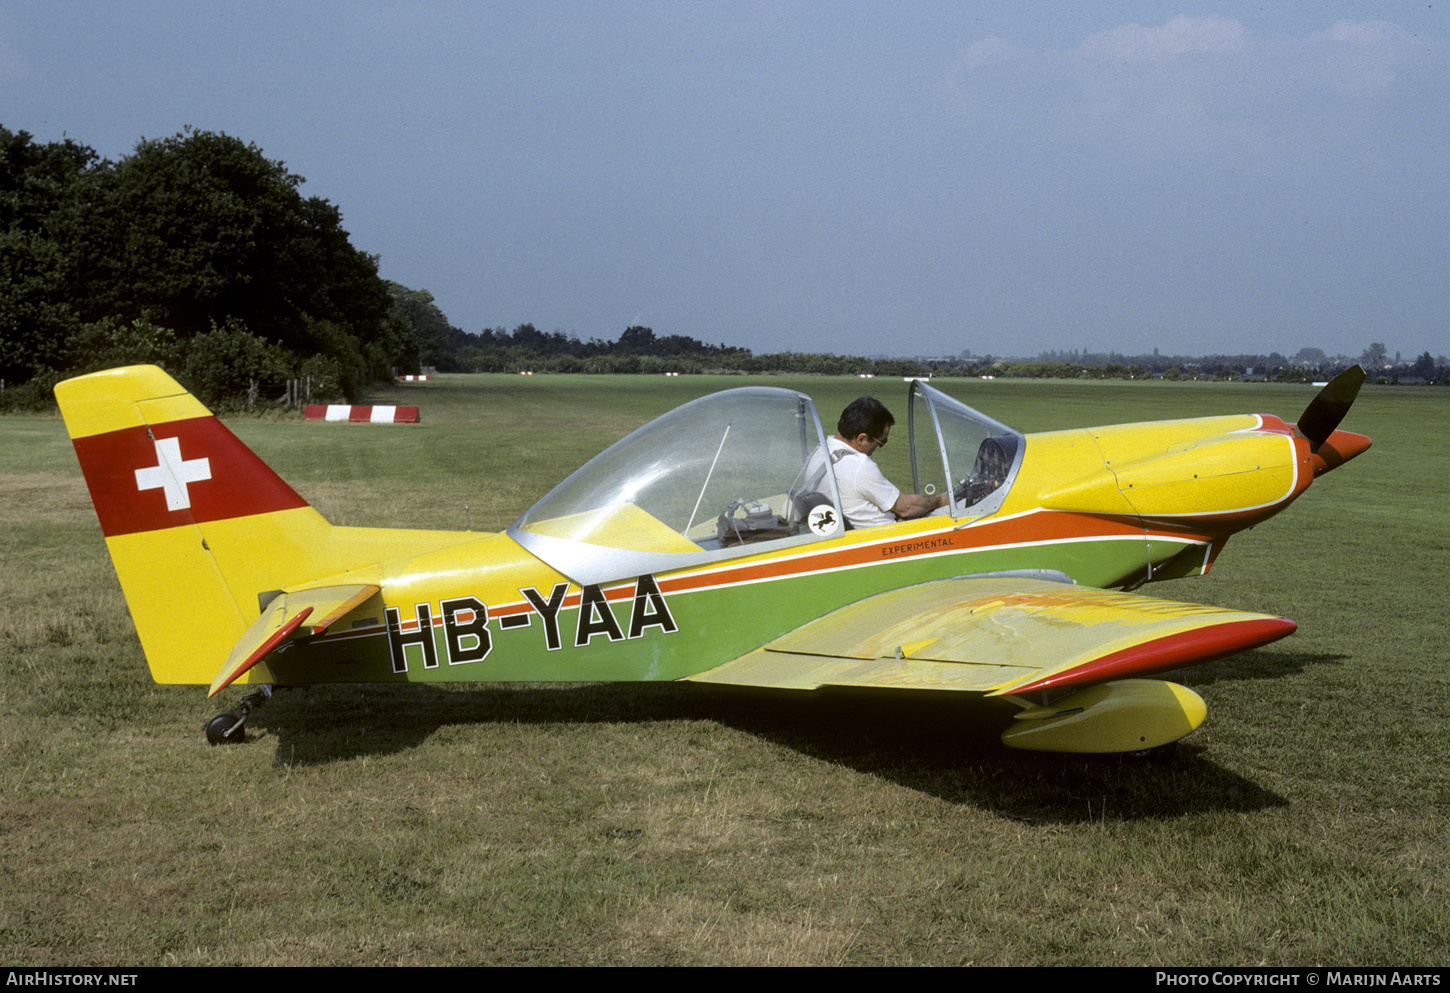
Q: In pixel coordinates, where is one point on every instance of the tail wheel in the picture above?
(226, 729)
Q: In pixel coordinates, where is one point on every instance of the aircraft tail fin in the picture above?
(198, 527)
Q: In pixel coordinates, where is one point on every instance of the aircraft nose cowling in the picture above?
(1337, 449)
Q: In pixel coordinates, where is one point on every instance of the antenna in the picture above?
(706, 484)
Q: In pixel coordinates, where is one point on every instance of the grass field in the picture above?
(1304, 823)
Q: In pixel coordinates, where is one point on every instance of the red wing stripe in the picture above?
(1187, 648)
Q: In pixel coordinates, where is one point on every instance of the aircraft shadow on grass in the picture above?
(936, 743)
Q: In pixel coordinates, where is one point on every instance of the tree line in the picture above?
(1307, 364)
(639, 350)
(195, 252)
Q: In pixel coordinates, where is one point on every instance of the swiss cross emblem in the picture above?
(171, 474)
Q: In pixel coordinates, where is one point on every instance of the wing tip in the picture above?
(1173, 651)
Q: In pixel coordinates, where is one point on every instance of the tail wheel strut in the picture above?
(230, 729)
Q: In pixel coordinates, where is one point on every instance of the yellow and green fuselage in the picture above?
(206, 539)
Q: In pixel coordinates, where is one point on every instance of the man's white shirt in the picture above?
(866, 495)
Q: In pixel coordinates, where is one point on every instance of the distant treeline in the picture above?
(640, 350)
(1307, 364)
(199, 254)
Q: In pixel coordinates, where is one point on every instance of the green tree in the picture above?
(637, 340)
(109, 342)
(34, 178)
(1424, 367)
(222, 363)
(200, 229)
(429, 328)
(36, 318)
(36, 315)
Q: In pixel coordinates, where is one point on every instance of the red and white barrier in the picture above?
(360, 414)
(415, 379)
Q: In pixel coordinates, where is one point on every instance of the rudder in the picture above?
(196, 524)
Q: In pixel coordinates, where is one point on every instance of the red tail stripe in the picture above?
(231, 482)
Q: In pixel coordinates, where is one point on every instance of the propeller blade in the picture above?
(1327, 409)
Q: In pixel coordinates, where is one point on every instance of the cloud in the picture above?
(1364, 58)
(1181, 36)
(1201, 84)
(991, 50)
(984, 70)
(1183, 82)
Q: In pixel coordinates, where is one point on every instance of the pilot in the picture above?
(868, 499)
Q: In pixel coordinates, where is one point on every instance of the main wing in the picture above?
(1025, 639)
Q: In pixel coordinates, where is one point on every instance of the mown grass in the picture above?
(641, 824)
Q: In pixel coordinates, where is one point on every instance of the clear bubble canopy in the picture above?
(725, 475)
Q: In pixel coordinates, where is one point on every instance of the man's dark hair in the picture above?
(864, 414)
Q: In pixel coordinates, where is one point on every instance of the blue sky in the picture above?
(905, 178)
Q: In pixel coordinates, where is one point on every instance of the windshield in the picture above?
(955, 448)
(720, 476)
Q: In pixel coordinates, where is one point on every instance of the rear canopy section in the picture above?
(722, 476)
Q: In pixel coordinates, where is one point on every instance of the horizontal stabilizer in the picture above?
(283, 619)
(998, 636)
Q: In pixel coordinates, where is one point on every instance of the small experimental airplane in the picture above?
(697, 548)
